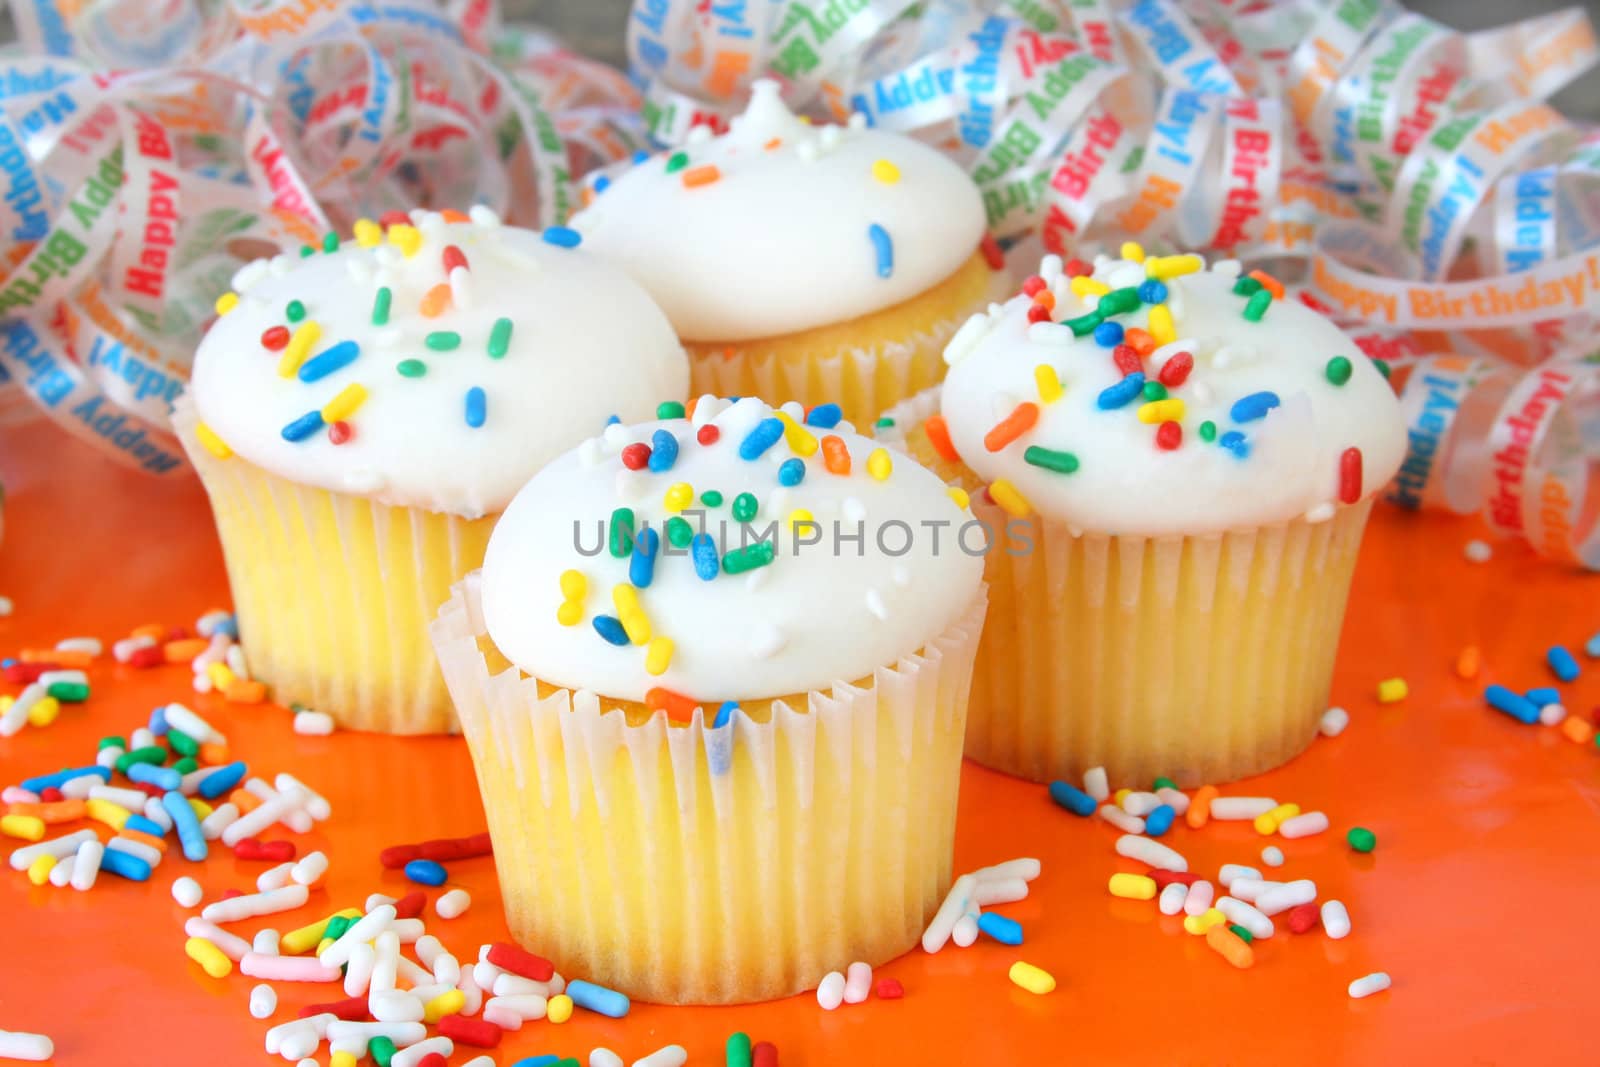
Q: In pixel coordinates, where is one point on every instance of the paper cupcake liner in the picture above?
(334, 592)
(689, 865)
(864, 365)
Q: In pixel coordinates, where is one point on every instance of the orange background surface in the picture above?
(1478, 900)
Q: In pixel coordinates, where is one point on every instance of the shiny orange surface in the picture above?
(1478, 899)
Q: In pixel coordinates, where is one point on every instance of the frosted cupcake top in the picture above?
(739, 554)
(778, 225)
(1155, 397)
(434, 361)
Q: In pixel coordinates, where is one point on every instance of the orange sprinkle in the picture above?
(435, 301)
(1045, 299)
(1013, 426)
(688, 409)
(774, 143)
(244, 800)
(1139, 340)
(1199, 812)
(1467, 662)
(1577, 729)
(213, 753)
(835, 456)
(182, 651)
(240, 691)
(153, 630)
(939, 436)
(50, 655)
(678, 707)
(139, 836)
(1268, 282)
(1230, 946)
(49, 811)
(450, 214)
(703, 175)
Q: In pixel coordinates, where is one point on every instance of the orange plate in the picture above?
(1476, 900)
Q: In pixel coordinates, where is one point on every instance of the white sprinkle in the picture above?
(6, 607)
(966, 339)
(1335, 919)
(1198, 899)
(1478, 551)
(857, 982)
(454, 904)
(484, 216)
(604, 1057)
(830, 991)
(1050, 333)
(1312, 822)
(15, 1045)
(187, 892)
(670, 1055)
(1251, 918)
(1140, 803)
(1176, 800)
(1552, 714)
(1376, 982)
(265, 943)
(310, 869)
(965, 932)
(1250, 888)
(1289, 895)
(263, 1002)
(1230, 871)
(1151, 852)
(944, 920)
(1334, 721)
(1128, 824)
(1095, 784)
(1272, 856)
(1228, 268)
(1235, 809)
(1025, 868)
(1172, 898)
(999, 891)
(313, 723)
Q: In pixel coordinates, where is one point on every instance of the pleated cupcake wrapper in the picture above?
(685, 864)
(334, 592)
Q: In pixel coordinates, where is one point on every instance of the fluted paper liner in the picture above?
(684, 864)
(334, 592)
(1203, 658)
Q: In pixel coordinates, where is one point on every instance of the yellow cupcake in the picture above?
(717, 767)
(360, 417)
(802, 263)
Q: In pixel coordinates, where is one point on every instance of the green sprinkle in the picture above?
(669, 409)
(1060, 462)
(1118, 302)
(380, 306)
(1155, 391)
(112, 742)
(337, 926)
(1337, 370)
(500, 338)
(443, 340)
(306, 251)
(679, 532)
(411, 368)
(748, 558)
(330, 242)
(1257, 306)
(382, 1050)
(187, 765)
(70, 692)
(1164, 783)
(154, 754)
(1208, 431)
(884, 423)
(738, 1050)
(1383, 368)
(182, 743)
(621, 533)
(1246, 286)
(745, 507)
(677, 161)
(1241, 933)
(711, 498)
(1361, 839)
(295, 311)
(1084, 325)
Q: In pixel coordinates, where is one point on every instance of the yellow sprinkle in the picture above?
(1172, 266)
(798, 516)
(1132, 886)
(559, 1009)
(208, 956)
(1119, 796)
(1133, 250)
(632, 616)
(112, 814)
(447, 1003)
(323, 945)
(342, 1059)
(1006, 495)
(1035, 980)
(1083, 285)
(658, 657)
(220, 674)
(368, 233)
(1267, 822)
(959, 495)
(406, 238)
(574, 586)
(299, 347)
(296, 942)
(39, 870)
(1161, 327)
(202, 810)
(679, 495)
(570, 613)
(1049, 383)
(44, 712)
(1199, 924)
(879, 464)
(1392, 689)
(1158, 411)
(26, 827)
(885, 172)
(226, 303)
(349, 400)
(211, 442)
(797, 437)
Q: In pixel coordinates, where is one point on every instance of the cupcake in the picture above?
(360, 417)
(798, 262)
(1177, 465)
(714, 675)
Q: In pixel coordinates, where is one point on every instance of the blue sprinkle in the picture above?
(1542, 696)
(303, 427)
(1562, 663)
(426, 872)
(229, 626)
(563, 237)
(145, 826)
(548, 1060)
(601, 183)
(1592, 648)
(1235, 442)
(150, 774)
(792, 472)
(8, 662)
(1152, 291)
(60, 778)
(1159, 821)
(885, 249)
(640, 156)
(329, 360)
(663, 451)
(1072, 798)
(187, 824)
(1004, 930)
(610, 628)
(1122, 394)
(613, 420)
(1520, 708)
(125, 865)
(477, 407)
(1108, 334)
(1252, 407)
(222, 780)
(824, 416)
(598, 999)
(158, 721)
(704, 551)
(725, 714)
(764, 436)
(642, 567)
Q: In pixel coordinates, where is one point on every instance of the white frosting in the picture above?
(1124, 483)
(586, 343)
(811, 617)
(780, 242)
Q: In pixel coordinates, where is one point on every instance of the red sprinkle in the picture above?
(1175, 371)
(351, 1009)
(51, 795)
(764, 1054)
(1350, 476)
(24, 673)
(397, 856)
(513, 959)
(453, 257)
(1303, 918)
(340, 432)
(394, 218)
(1076, 268)
(996, 258)
(1032, 284)
(1166, 878)
(457, 848)
(410, 906)
(636, 456)
(1038, 313)
(890, 989)
(708, 434)
(252, 848)
(1169, 435)
(229, 894)
(151, 656)
(465, 1031)
(147, 789)
(1127, 360)
(433, 1059)
(275, 337)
